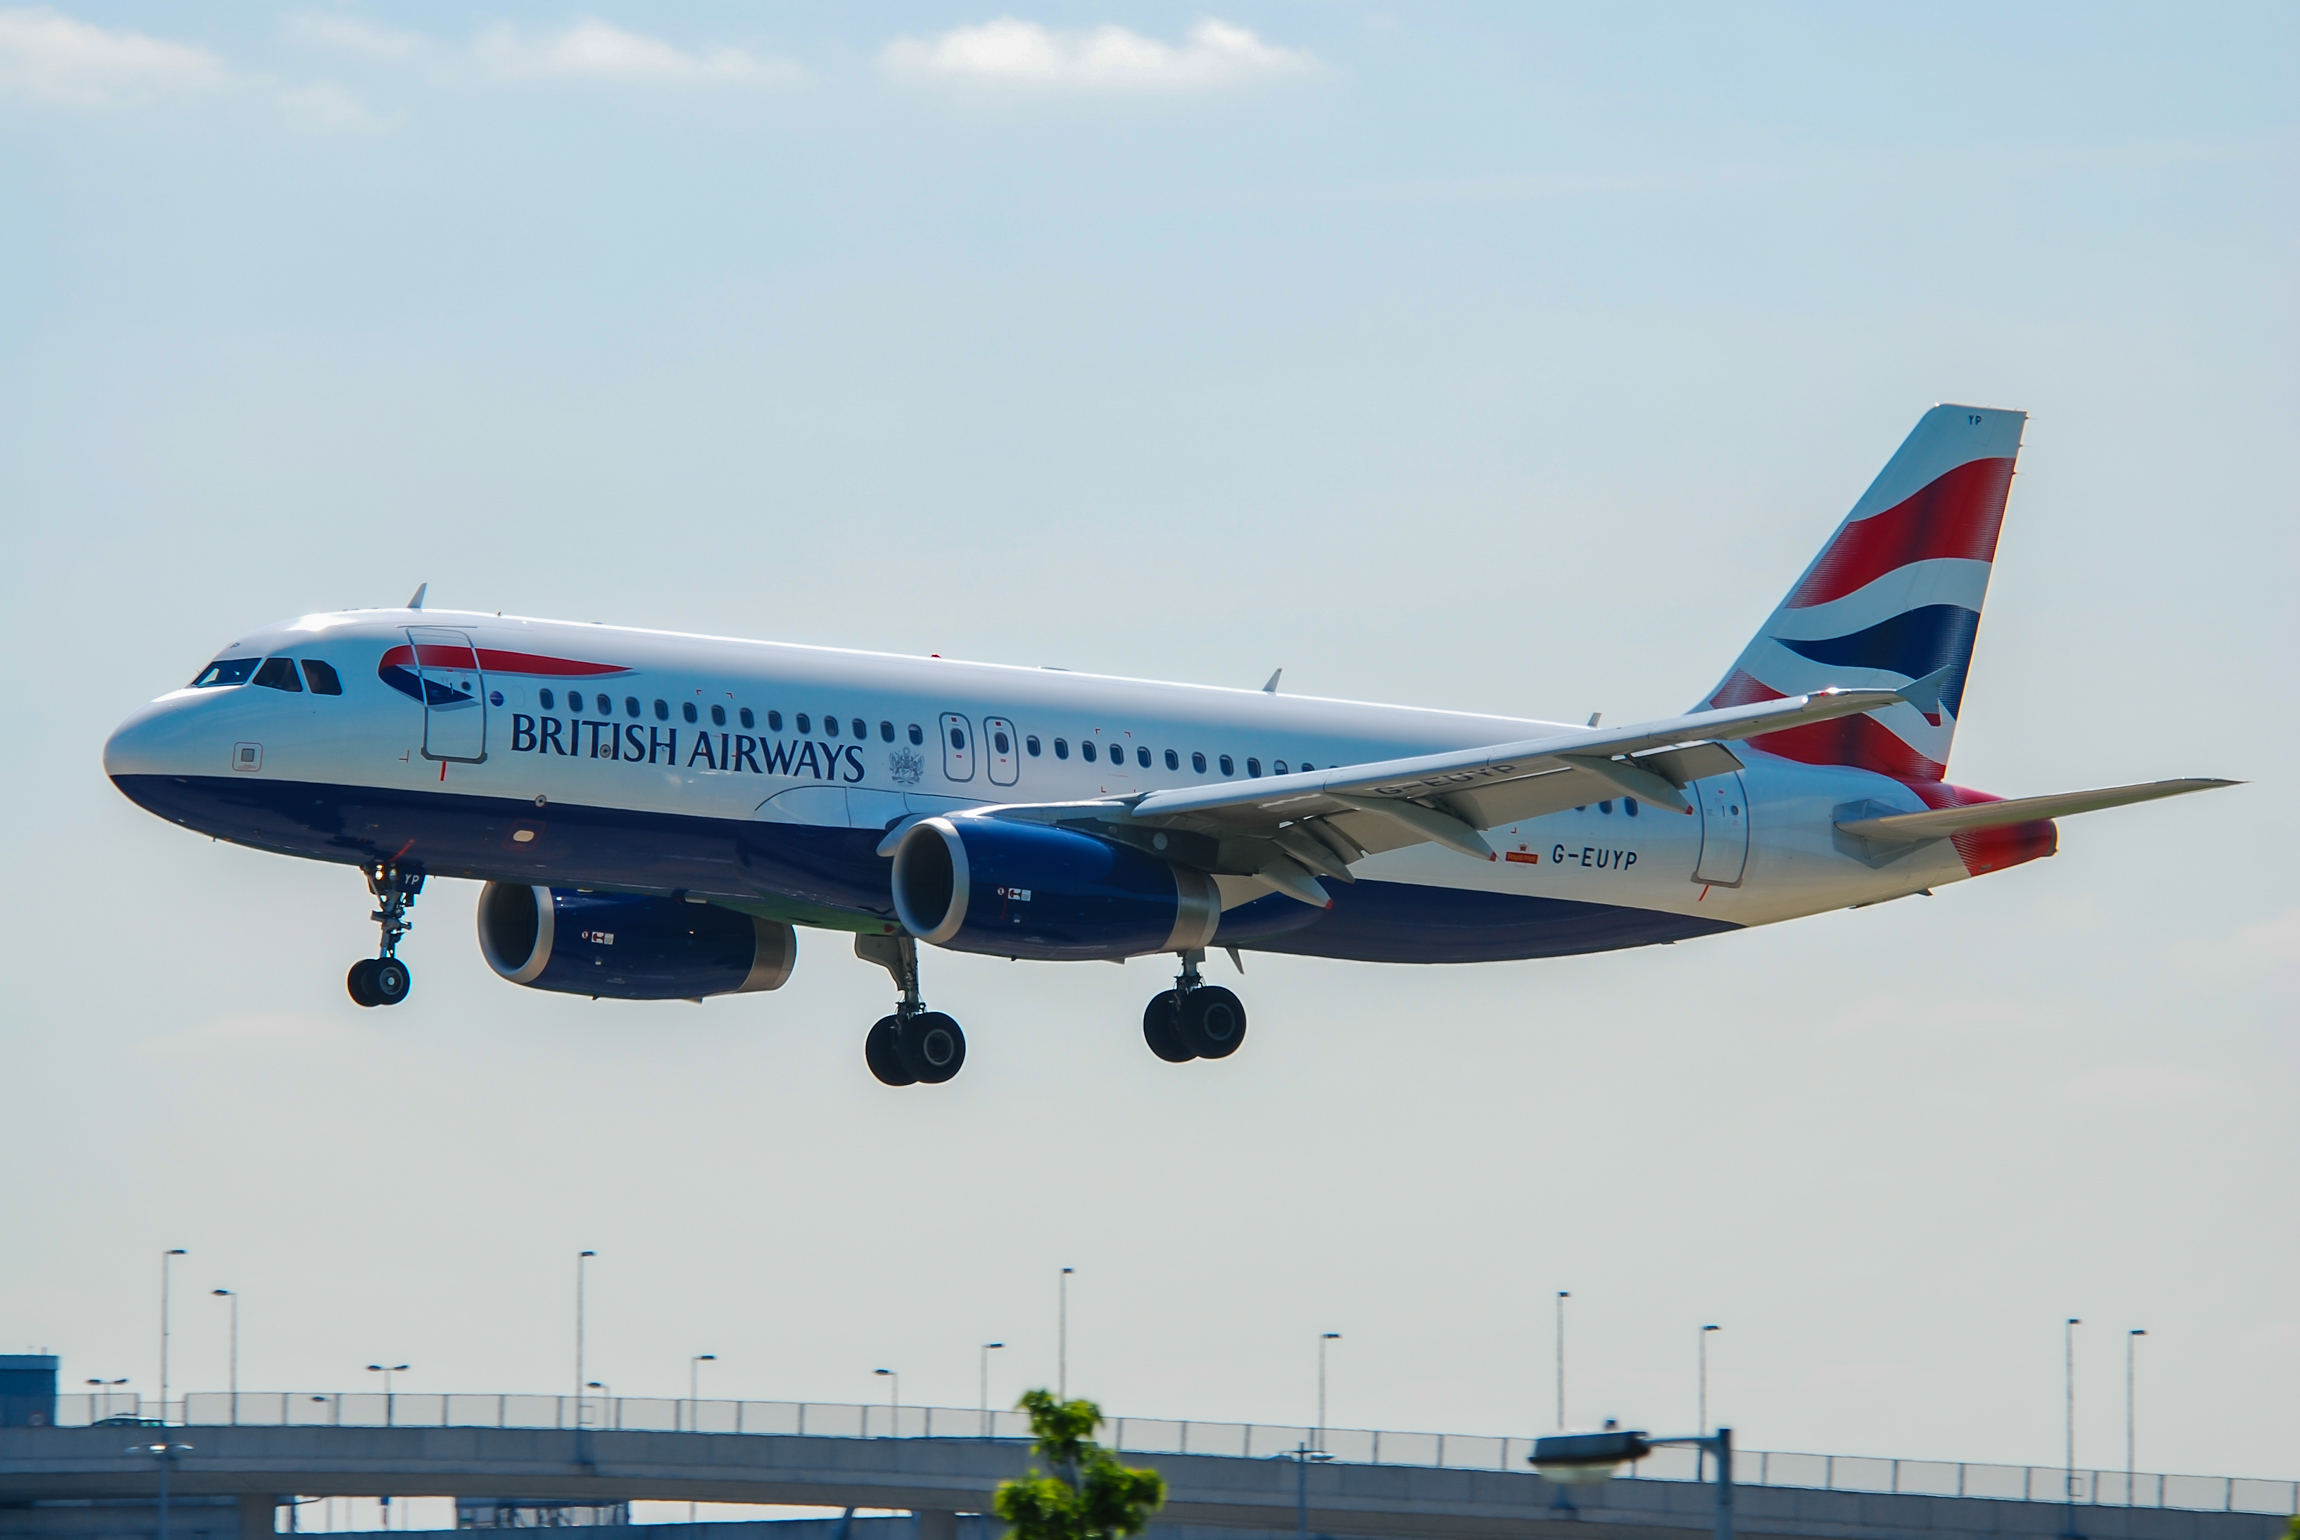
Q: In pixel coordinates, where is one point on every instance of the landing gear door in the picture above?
(957, 747)
(454, 695)
(1724, 804)
(1001, 751)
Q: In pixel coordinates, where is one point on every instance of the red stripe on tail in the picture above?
(1955, 515)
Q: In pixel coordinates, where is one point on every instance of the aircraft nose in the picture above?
(152, 742)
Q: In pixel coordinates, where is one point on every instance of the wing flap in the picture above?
(1940, 823)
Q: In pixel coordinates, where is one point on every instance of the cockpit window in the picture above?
(322, 676)
(225, 671)
(279, 674)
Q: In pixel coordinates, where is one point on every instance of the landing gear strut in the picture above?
(384, 979)
(1194, 1019)
(915, 1045)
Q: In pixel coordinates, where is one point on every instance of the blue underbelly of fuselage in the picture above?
(567, 845)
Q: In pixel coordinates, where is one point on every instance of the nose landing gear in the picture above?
(384, 979)
(914, 1046)
(1194, 1019)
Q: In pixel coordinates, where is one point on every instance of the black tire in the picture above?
(388, 980)
(882, 1052)
(933, 1048)
(356, 981)
(1213, 1022)
(1162, 1028)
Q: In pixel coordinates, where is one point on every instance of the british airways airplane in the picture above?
(654, 815)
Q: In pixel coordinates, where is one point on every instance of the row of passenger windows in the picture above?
(1089, 751)
(604, 704)
(272, 674)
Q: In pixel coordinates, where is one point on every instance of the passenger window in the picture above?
(1606, 807)
(663, 711)
(324, 681)
(1307, 767)
(575, 700)
(225, 671)
(1030, 744)
(862, 728)
(886, 732)
(1253, 767)
(1173, 760)
(631, 705)
(546, 700)
(958, 738)
(1086, 750)
(1228, 768)
(998, 742)
(718, 716)
(1062, 748)
(279, 674)
(494, 697)
(775, 722)
(1629, 806)
(687, 710)
(917, 733)
(1142, 756)
(804, 723)
(1198, 763)
(830, 727)
(1277, 767)
(744, 716)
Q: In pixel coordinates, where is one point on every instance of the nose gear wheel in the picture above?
(384, 979)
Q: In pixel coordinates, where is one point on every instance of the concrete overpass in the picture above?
(69, 1484)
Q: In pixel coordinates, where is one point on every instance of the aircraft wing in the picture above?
(1290, 830)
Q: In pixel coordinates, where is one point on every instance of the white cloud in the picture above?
(593, 50)
(360, 39)
(325, 105)
(1010, 52)
(48, 56)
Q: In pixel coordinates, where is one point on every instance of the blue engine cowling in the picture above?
(626, 946)
(1012, 889)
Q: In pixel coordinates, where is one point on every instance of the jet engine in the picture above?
(1016, 889)
(626, 946)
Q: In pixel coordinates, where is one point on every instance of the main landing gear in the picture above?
(384, 980)
(1194, 1019)
(915, 1045)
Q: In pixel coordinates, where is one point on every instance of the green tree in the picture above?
(1090, 1496)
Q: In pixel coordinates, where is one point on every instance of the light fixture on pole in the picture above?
(2130, 1338)
(1562, 1296)
(2068, 1463)
(581, 1258)
(988, 1348)
(1585, 1458)
(165, 1453)
(1323, 1338)
(694, 1383)
(234, 1296)
(1062, 1342)
(893, 1400)
(1702, 1420)
(389, 1404)
(167, 1260)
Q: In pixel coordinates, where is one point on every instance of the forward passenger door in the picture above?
(454, 694)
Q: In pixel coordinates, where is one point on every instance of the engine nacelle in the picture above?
(1017, 889)
(627, 946)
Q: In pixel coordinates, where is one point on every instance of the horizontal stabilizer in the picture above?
(1942, 822)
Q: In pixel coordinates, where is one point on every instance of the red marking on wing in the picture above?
(1957, 514)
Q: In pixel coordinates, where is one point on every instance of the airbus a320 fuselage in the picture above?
(655, 815)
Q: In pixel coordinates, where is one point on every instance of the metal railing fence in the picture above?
(1151, 1436)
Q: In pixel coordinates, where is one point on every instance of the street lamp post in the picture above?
(1302, 1455)
(1562, 1296)
(1702, 1420)
(988, 1348)
(1062, 1342)
(2068, 1463)
(234, 1297)
(694, 1386)
(165, 1453)
(1323, 1339)
(581, 1259)
(605, 1390)
(2130, 1338)
(893, 1401)
(167, 1259)
(1572, 1458)
(387, 1371)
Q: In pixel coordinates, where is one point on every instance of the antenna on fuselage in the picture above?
(1271, 688)
(416, 603)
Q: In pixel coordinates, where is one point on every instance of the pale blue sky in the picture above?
(1502, 357)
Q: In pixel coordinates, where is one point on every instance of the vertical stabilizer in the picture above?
(1893, 599)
